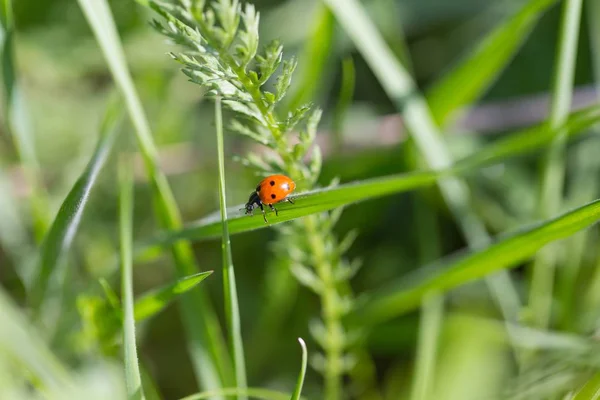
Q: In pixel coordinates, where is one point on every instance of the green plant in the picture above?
(222, 54)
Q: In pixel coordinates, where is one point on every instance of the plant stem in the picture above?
(232, 312)
(330, 310)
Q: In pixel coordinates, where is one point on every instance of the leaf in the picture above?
(133, 379)
(300, 382)
(64, 227)
(589, 391)
(506, 252)
(153, 302)
(469, 79)
(331, 198)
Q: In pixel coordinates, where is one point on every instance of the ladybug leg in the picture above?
(263, 213)
(290, 200)
(273, 208)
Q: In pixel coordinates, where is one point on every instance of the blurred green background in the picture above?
(66, 85)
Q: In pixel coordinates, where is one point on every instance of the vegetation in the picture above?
(449, 256)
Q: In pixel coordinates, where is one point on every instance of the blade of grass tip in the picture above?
(64, 227)
(344, 102)
(507, 252)
(300, 382)
(18, 125)
(553, 172)
(151, 303)
(470, 77)
(232, 308)
(133, 380)
(401, 88)
(19, 342)
(205, 342)
(329, 198)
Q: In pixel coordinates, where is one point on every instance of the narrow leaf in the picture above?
(153, 302)
(300, 383)
(469, 79)
(507, 252)
(133, 380)
(62, 232)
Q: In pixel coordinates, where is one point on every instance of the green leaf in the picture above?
(332, 197)
(133, 379)
(506, 252)
(300, 382)
(257, 393)
(589, 391)
(153, 302)
(470, 78)
(64, 227)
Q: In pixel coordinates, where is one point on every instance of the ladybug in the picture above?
(271, 190)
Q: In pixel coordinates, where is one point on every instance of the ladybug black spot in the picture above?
(272, 183)
(273, 196)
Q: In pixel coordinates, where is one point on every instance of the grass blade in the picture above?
(18, 124)
(153, 302)
(133, 379)
(64, 227)
(344, 102)
(402, 90)
(300, 383)
(469, 79)
(329, 198)
(505, 253)
(205, 343)
(589, 391)
(232, 308)
(19, 342)
(553, 173)
(256, 393)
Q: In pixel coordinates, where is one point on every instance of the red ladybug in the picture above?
(271, 190)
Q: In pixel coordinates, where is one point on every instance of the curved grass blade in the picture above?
(232, 307)
(205, 340)
(507, 252)
(469, 79)
(254, 393)
(326, 199)
(133, 379)
(153, 302)
(19, 342)
(64, 227)
(300, 383)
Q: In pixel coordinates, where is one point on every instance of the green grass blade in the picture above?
(205, 341)
(19, 342)
(255, 393)
(344, 101)
(153, 302)
(232, 308)
(133, 379)
(589, 391)
(469, 79)
(300, 382)
(18, 123)
(402, 90)
(313, 60)
(553, 172)
(64, 227)
(505, 253)
(321, 200)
